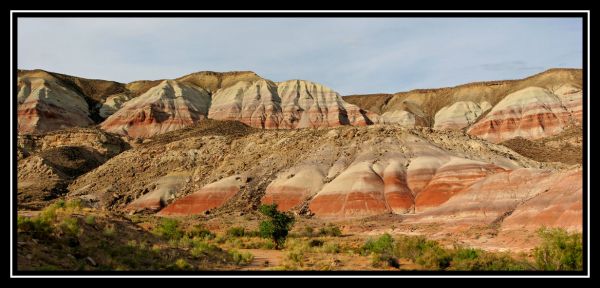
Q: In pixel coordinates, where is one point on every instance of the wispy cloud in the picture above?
(351, 55)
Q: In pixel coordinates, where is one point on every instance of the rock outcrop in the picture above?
(460, 114)
(531, 113)
(289, 104)
(45, 105)
(295, 186)
(210, 196)
(166, 107)
(159, 193)
(560, 205)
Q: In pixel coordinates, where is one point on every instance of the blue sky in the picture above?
(350, 55)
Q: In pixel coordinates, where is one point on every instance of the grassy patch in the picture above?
(169, 229)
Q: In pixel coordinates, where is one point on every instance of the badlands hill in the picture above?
(503, 154)
(420, 175)
(536, 107)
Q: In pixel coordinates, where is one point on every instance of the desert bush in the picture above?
(236, 232)
(296, 256)
(382, 251)
(467, 259)
(241, 258)
(434, 257)
(315, 243)
(181, 264)
(70, 227)
(199, 231)
(307, 231)
(332, 248)
(90, 219)
(330, 230)
(203, 248)
(278, 225)
(169, 229)
(411, 247)
(109, 230)
(559, 250)
(48, 214)
(37, 227)
(72, 205)
(383, 244)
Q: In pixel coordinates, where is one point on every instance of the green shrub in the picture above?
(48, 214)
(330, 230)
(278, 225)
(241, 258)
(37, 227)
(201, 248)
(383, 244)
(384, 259)
(109, 230)
(70, 227)
(479, 260)
(382, 250)
(181, 264)
(410, 247)
(559, 250)
(73, 205)
(169, 229)
(199, 231)
(236, 232)
(90, 219)
(434, 257)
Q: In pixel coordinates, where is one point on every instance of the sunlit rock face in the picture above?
(45, 105)
(210, 196)
(289, 104)
(166, 107)
(530, 113)
(459, 115)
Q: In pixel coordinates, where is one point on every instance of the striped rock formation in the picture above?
(571, 98)
(256, 104)
(161, 191)
(560, 205)
(45, 105)
(289, 104)
(356, 192)
(210, 196)
(294, 186)
(308, 104)
(530, 113)
(491, 196)
(450, 179)
(166, 107)
(459, 115)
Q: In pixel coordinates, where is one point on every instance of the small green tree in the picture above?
(559, 250)
(278, 225)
